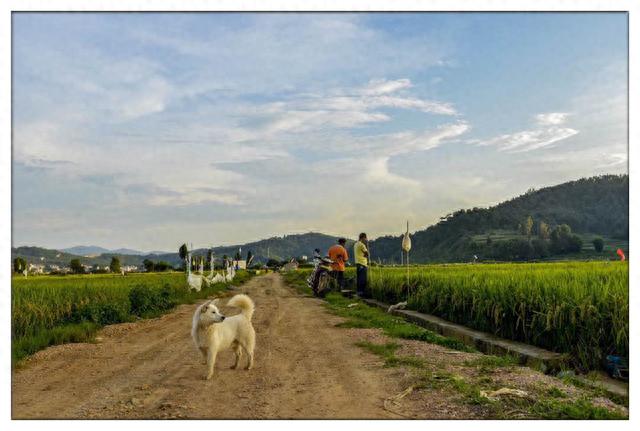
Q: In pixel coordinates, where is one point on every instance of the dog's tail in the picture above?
(243, 302)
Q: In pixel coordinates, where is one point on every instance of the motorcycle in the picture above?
(320, 279)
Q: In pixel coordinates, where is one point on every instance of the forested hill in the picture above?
(596, 205)
(281, 248)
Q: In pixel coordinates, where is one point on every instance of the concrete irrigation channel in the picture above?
(531, 356)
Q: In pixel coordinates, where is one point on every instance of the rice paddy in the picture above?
(579, 308)
(48, 310)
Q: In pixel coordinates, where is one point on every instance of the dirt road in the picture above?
(305, 368)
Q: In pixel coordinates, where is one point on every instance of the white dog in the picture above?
(212, 332)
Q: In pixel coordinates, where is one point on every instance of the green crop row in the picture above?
(49, 310)
(579, 308)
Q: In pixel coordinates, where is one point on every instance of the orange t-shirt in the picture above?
(338, 254)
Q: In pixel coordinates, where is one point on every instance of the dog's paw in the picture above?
(208, 376)
(233, 367)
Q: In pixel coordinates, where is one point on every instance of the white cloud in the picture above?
(546, 135)
(374, 153)
(552, 118)
(148, 97)
(529, 140)
(610, 160)
(302, 121)
(346, 108)
(376, 87)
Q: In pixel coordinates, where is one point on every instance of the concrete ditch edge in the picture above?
(532, 356)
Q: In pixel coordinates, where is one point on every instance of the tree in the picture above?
(564, 241)
(598, 244)
(540, 248)
(162, 266)
(114, 266)
(238, 257)
(183, 251)
(76, 266)
(272, 263)
(543, 231)
(148, 265)
(249, 258)
(526, 227)
(19, 264)
(574, 244)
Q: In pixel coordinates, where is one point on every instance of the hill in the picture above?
(39, 255)
(93, 250)
(278, 248)
(590, 206)
(281, 248)
(85, 250)
(597, 206)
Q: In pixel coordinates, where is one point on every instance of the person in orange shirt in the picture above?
(338, 254)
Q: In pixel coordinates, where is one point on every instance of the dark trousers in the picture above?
(339, 277)
(361, 279)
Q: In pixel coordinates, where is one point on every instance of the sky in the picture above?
(147, 130)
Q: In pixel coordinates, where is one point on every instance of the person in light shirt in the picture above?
(361, 255)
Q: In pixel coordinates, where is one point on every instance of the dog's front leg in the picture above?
(211, 362)
(203, 350)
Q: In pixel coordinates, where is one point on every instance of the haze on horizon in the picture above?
(149, 130)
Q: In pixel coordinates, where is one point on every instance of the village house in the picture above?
(35, 268)
(240, 264)
(129, 268)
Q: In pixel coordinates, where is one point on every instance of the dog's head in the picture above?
(209, 313)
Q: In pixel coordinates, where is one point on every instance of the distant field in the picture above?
(580, 308)
(47, 310)
(588, 251)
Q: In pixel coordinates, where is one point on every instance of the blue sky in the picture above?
(150, 130)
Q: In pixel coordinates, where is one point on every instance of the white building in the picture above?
(240, 264)
(35, 268)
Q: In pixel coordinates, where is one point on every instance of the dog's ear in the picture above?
(204, 306)
(215, 301)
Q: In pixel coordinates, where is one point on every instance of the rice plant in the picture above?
(580, 308)
(48, 310)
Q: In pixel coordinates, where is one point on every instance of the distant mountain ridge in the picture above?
(85, 250)
(278, 248)
(94, 250)
(594, 206)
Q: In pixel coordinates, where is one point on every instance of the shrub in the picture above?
(598, 244)
(107, 314)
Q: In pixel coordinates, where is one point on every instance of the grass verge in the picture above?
(362, 315)
(546, 403)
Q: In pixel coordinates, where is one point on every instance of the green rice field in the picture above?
(579, 308)
(47, 310)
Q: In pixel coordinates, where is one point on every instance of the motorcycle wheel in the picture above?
(323, 284)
